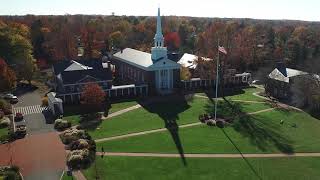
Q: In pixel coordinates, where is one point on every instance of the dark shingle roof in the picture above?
(70, 72)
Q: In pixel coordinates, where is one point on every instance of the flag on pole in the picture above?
(222, 49)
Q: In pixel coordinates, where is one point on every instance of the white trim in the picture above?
(87, 77)
(87, 83)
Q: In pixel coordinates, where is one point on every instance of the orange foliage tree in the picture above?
(93, 96)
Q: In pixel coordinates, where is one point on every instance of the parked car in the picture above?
(21, 129)
(12, 98)
(18, 117)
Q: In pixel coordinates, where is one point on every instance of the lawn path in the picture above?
(122, 111)
(78, 175)
(276, 155)
(165, 129)
(144, 132)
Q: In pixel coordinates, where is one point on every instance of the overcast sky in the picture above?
(259, 9)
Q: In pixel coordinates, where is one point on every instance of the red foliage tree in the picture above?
(172, 40)
(7, 76)
(93, 96)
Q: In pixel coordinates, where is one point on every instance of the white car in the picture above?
(12, 98)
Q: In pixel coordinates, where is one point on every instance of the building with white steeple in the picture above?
(161, 74)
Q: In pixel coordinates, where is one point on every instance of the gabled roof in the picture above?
(73, 77)
(189, 60)
(134, 57)
(71, 72)
(75, 66)
(139, 59)
(277, 75)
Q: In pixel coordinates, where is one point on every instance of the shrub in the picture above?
(4, 122)
(1, 114)
(61, 124)
(211, 122)
(44, 101)
(220, 123)
(79, 144)
(79, 159)
(71, 135)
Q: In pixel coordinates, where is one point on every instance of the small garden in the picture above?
(10, 173)
(4, 123)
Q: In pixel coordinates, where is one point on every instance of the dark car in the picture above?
(18, 117)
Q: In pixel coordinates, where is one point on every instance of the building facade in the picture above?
(161, 74)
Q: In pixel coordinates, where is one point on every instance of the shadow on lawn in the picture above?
(168, 108)
(262, 134)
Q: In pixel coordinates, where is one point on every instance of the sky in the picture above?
(308, 10)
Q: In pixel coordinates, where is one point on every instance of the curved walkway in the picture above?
(276, 155)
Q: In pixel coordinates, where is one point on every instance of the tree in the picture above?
(93, 96)
(7, 76)
(117, 39)
(17, 51)
(185, 73)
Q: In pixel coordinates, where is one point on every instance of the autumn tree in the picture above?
(185, 73)
(16, 49)
(93, 96)
(7, 76)
(117, 39)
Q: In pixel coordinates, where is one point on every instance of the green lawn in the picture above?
(122, 105)
(4, 134)
(154, 116)
(244, 94)
(261, 133)
(146, 168)
(66, 177)
(73, 114)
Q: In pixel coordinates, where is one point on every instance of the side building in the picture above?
(71, 76)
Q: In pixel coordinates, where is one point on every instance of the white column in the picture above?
(168, 80)
(159, 79)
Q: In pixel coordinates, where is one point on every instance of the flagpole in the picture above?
(217, 80)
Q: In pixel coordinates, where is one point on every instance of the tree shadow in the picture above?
(24, 88)
(90, 121)
(168, 108)
(262, 134)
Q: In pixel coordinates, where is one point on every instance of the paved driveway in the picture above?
(39, 156)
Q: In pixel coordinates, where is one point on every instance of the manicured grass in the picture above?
(73, 114)
(4, 134)
(66, 177)
(146, 168)
(261, 133)
(154, 116)
(244, 94)
(122, 105)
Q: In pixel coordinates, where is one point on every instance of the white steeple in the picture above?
(158, 51)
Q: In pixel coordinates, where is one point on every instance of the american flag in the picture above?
(222, 49)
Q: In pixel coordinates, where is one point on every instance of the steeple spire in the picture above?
(159, 29)
(158, 51)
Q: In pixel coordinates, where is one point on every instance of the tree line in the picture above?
(250, 43)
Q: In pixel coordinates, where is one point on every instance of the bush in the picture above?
(220, 123)
(211, 122)
(79, 144)
(44, 101)
(79, 159)
(61, 124)
(1, 114)
(71, 135)
(5, 107)
(4, 122)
